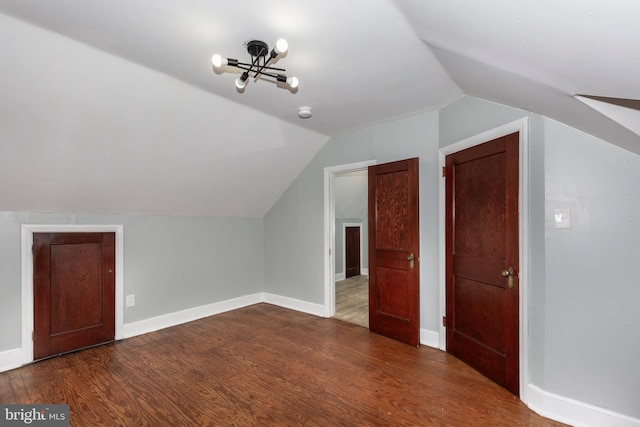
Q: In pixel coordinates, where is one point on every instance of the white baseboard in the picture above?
(195, 313)
(294, 304)
(188, 315)
(11, 359)
(341, 276)
(573, 412)
(430, 338)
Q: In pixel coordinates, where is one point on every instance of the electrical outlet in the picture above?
(131, 300)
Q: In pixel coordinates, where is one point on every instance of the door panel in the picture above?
(394, 273)
(74, 291)
(352, 251)
(482, 243)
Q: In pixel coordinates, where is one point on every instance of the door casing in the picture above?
(27, 276)
(522, 127)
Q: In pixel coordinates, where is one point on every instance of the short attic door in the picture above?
(74, 291)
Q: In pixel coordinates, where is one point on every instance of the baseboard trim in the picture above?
(179, 317)
(294, 304)
(176, 318)
(12, 359)
(573, 412)
(430, 338)
(342, 276)
(15, 358)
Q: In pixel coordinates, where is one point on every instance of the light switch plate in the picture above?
(562, 218)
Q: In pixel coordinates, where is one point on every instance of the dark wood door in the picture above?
(482, 260)
(352, 251)
(394, 272)
(74, 291)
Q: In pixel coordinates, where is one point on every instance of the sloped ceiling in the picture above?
(538, 55)
(114, 107)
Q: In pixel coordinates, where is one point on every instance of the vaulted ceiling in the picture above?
(114, 107)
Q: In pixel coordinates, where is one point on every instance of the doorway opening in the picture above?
(352, 281)
(345, 205)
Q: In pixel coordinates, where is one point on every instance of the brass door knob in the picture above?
(411, 259)
(509, 273)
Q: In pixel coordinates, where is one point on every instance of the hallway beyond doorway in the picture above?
(352, 300)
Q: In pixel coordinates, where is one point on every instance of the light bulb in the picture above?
(282, 46)
(292, 82)
(241, 81)
(218, 60)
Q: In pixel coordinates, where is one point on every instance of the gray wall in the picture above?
(294, 227)
(592, 305)
(170, 263)
(583, 294)
(583, 291)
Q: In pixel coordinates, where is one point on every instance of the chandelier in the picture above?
(259, 66)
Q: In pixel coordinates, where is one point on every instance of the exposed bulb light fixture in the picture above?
(259, 66)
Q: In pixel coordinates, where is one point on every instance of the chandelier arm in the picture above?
(248, 67)
(265, 65)
(245, 65)
(259, 70)
(274, 76)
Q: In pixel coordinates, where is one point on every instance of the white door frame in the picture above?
(27, 276)
(521, 126)
(330, 230)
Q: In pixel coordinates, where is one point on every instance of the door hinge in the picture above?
(444, 171)
(444, 321)
(329, 251)
(33, 335)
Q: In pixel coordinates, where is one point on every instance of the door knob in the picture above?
(509, 273)
(411, 258)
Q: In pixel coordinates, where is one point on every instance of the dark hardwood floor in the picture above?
(266, 366)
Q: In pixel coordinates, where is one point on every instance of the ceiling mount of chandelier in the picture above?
(259, 66)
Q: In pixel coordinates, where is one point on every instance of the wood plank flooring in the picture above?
(352, 300)
(266, 366)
